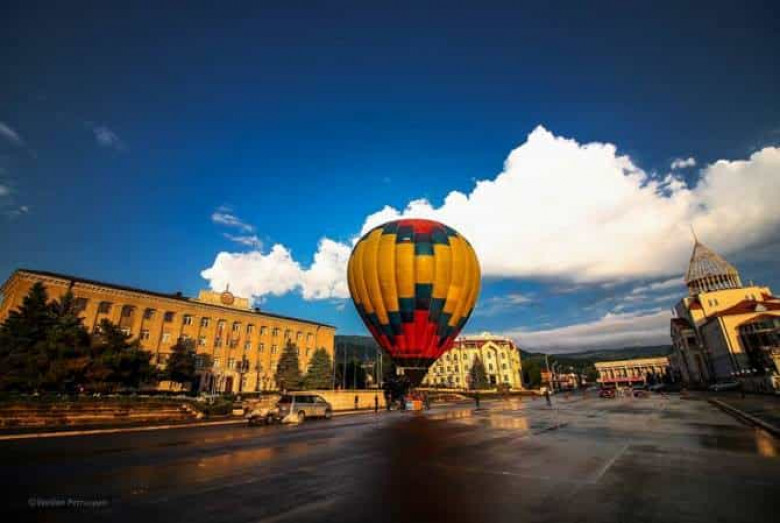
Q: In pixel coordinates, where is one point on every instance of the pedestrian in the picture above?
(356, 401)
(376, 404)
(476, 399)
(547, 397)
(426, 401)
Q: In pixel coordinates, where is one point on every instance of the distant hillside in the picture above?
(367, 343)
(626, 353)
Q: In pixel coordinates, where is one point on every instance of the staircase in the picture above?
(93, 414)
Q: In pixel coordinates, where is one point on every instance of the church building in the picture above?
(724, 331)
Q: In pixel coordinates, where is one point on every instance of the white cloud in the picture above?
(497, 304)
(613, 330)
(257, 274)
(16, 212)
(230, 220)
(681, 163)
(584, 213)
(4, 190)
(7, 132)
(250, 241)
(671, 283)
(581, 213)
(105, 137)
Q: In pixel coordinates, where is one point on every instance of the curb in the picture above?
(118, 430)
(63, 434)
(744, 416)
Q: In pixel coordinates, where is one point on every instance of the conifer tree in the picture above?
(477, 375)
(320, 372)
(288, 370)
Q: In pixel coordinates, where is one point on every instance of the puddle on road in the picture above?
(766, 444)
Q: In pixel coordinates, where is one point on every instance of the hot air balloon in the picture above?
(414, 283)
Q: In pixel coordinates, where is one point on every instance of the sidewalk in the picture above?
(762, 411)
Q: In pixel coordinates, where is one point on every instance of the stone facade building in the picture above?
(243, 344)
(631, 372)
(499, 355)
(724, 330)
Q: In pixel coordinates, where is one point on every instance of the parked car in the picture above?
(724, 385)
(295, 408)
(263, 411)
(639, 392)
(607, 393)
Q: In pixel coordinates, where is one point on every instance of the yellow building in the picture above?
(631, 372)
(499, 355)
(724, 330)
(243, 343)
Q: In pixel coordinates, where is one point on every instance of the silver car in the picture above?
(295, 408)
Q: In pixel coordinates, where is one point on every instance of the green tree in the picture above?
(43, 345)
(320, 372)
(288, 370)
(22, 338)
(181, 365)
(117, 360)
(477, 376)
(67, 346)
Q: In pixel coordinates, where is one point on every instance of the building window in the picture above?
(233, 344)
(261, 348)
(217, 342)
(275, 332)
(216, 362)
(187, 319)
(79, 304)
(297, 351)
(298, 336)
(490, 367)
(202, 341)
(506, 378)
(148, 314)
(503, 366)
(273, 349)
(104, 307)
(127, 311)
(144, 334)
(309, 338)
(247, 345)
(125, 331)
(168, 317)
(166, 337)
(308, 351)
(231, 363)
(250, 329)
(263, 330)
(220, 326)
(236, 326)
(204, 322)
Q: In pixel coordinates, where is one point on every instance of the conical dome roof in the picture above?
(708, 271)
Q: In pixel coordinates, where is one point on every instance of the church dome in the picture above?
(708, 271)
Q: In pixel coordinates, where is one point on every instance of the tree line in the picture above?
(44, 346)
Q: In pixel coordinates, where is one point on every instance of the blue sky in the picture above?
(128, 133)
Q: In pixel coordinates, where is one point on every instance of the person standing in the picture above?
(547, 397)
(356, 401)
(376, 404)
(476, 399)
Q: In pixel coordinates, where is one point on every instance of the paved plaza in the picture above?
(585, 459)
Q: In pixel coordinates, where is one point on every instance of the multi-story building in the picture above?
(499, 355)
(632, 372)
(724, 330)
(243, 344)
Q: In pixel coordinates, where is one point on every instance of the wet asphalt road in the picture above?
(656, 459)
